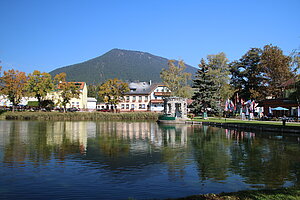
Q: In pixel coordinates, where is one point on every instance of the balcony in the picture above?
(162, 94)
(157, 101)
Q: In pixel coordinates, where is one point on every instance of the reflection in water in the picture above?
(145, 156)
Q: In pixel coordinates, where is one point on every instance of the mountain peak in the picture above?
(126, 65)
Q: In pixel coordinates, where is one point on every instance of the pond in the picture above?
(139, 160)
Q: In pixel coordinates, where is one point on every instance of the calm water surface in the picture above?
(140, 160)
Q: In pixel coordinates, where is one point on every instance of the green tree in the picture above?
(13, 85)
(276, 69)
(39, 85)
(295, 63)
(67, 90)
(247, 77)
(218, 63)
(112, 91)
(296, 94)
(93, 91)
(176, 79)
(206, 90)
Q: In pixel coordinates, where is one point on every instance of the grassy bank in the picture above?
(279, 194)
(79, 116)
(253, 122)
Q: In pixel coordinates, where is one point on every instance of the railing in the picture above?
(162, 93)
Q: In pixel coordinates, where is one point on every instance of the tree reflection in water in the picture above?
(218, 155)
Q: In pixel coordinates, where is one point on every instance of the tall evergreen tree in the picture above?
(205, 95)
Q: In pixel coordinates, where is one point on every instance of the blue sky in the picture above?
(46, 35)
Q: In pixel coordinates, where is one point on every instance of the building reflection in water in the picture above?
(213, 153)
(156, 135)
(238, 134)
(74, 132)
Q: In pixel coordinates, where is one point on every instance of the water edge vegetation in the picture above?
(80, 116)
(291, 193)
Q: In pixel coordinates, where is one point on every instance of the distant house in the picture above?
(101, 106)
(91, 104)
(144, 96)
(80, 102)
(268, 104)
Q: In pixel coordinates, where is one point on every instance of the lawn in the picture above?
(230, 120)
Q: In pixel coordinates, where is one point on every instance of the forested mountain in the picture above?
(122, 64)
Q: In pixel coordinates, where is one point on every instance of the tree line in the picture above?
(15, 85)
(258, 74)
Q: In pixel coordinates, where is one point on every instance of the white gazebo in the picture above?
(175, 107)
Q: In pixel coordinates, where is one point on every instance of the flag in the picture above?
(231, 105)
(298, 111)
(226, 105)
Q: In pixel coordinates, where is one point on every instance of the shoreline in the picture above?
(260, 126)
(86, 116)
(256, 127)
(264, 194)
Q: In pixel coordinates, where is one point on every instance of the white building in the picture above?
(91, 104)
(144, 96)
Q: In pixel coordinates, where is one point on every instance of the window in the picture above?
(132, 106)
(146, 98)
(140, 106)
(127, 106)
(133, 98)
(122, 106)
(77, 103)
(127, 98)
(143, 106)
(140, 98)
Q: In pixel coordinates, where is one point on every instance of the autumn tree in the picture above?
(39, 85)
(206, 90)
(219, 72)
(176, 79)
(276, 69)
(112, 91)
(13, 85)
(67, 90)
(247, 76)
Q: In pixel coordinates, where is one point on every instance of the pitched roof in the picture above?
(142, 88)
